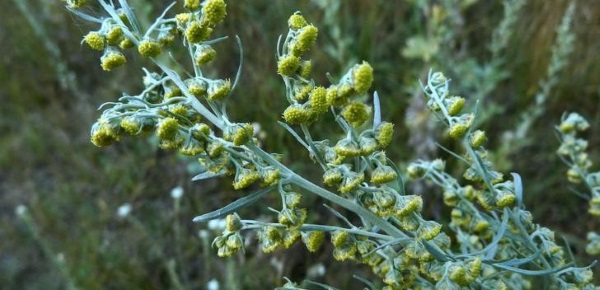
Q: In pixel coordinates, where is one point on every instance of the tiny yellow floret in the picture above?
(288, 65)
(196, 32)
(167, 129)
(95, 40)
(296, 21)
(355, 113)
(214, 11)
(112, 59)
(362, 77)
(384, 134)
(318, 100)
(149, 48)
(191, 4)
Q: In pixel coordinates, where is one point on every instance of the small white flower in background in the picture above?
(124, 210)
(258, 133)
(217, 224)
(20, 210)
(203, 234)
(212, 285)
(317, 270)
(60, 257)
(177, 192)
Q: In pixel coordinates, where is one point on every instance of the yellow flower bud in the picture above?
(288, 65)
(458, 217)
(362, 77)
(351, 181)
(384, 134)
(172, 91)
(131, 125)
(239, 134)
(429, 230)
(180, 110)
(477, 138)
(167, 128)
(347, 148)
(367, 145)
(306, 38)
(244, 178)
(455, 105)
(332, 177)
(191, 4)
(301, 93)
(450, 198)
(296, 114)
(126, 43)
(215, 149)
(505, 199)
(342, 254)
(214, 12)
(149, 48)
(460, 276)
(183, 18)
(383, 174)
(204, 54)
(270, 176)
(414, 171)
(305, 68)
(355, 113)
(458, 130)
(481, 226)
(234, 242)
(112, 59)
(114, 35)
(595, 206)
(573, 176)
(198, 88)
(103, 134)
(95, 40)
(292, 199)
(408, 204)
(290, 237)
(292, 217)
(196, 32)
(270, 238)
(233, 223)
(191, 147)
(296, 21)
(475, 267)
(219, 89)
(313, 240)
(339, 238)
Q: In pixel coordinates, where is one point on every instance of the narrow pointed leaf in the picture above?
(234, 206)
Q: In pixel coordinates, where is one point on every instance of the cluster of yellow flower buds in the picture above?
(118, 34)
(230, 241)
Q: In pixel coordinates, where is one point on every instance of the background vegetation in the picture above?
(69, 233)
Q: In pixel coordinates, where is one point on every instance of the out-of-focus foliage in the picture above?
(71, 235)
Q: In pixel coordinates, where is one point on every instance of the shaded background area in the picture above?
(68, 192)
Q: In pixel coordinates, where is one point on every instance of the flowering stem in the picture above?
(328, 195)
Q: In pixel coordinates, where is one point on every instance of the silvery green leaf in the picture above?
(207, 175)
(518, 188)
(234, 206)
(435, 251)
(377, 111)
(298, 138)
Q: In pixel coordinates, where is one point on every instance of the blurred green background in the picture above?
(60, 196)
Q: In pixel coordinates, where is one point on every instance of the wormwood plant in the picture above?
(491, 242)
